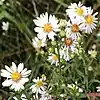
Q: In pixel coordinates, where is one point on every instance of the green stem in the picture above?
(59, 70)
(90, 62)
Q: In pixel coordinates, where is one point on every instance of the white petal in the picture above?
(98, 87)
(8, 69)
(15, 98)
(38, 29)
(20, 67)
(23, 80)
(38, 23)
(34, 89)
(40, 91)
(51, 35)
(13, 67)
(35, 80)
(98, 90)
(5, 73)
(23, 96)
(17, 86)
(13, 85)
(42, 35)
(26, 73)
(7, 82)
(23, 71)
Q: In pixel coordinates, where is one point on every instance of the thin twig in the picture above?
(35, 9)
(17, 52)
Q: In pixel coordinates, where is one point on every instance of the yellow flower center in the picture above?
(88, 19)
(16, 76)
(75, 28)
(79, 11)
(54, 57)
(47, 28)
(39, 83)
(68, 41)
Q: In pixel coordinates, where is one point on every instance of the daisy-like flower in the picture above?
(89, 21)
(73, 28)
(76, 10)
(46, 26)
(45, 96)
(92, 53)
(37, 43)
(53, 59)
(16, 76)
(5, 26)
(39, 86)
(69, 47)
(75, 87)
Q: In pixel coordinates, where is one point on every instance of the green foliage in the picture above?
(16, 46)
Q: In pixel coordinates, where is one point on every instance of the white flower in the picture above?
(90, 68)
(89, 21)
(92, 53)
(1, 2)
(46, 26)
(43, 77)
(98, 88)
(62, 23)
(69, 48)
(76, 10)
(45, 96)
(5, 26)
(80, 89)
(16, 76)
(23, 97)
(39, 86)
(53, 59)
(37, 43)
(73, 28)
(75, 87)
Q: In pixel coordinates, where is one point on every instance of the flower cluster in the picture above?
(18, 76)
(62, 42)
(81, 19)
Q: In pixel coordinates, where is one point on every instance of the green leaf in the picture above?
(80, 73)
(94, 81)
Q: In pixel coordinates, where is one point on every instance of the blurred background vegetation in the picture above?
(15, 44)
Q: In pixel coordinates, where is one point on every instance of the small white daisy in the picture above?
(76, 10)
(75, 87)
(46, 26)
(16, 76)
(37, 43)
(69, 47)
(45, 96)
(92, 53)
(53, 59)
(89, 21)
(39, 86)
(73, 28)
(5, 26)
